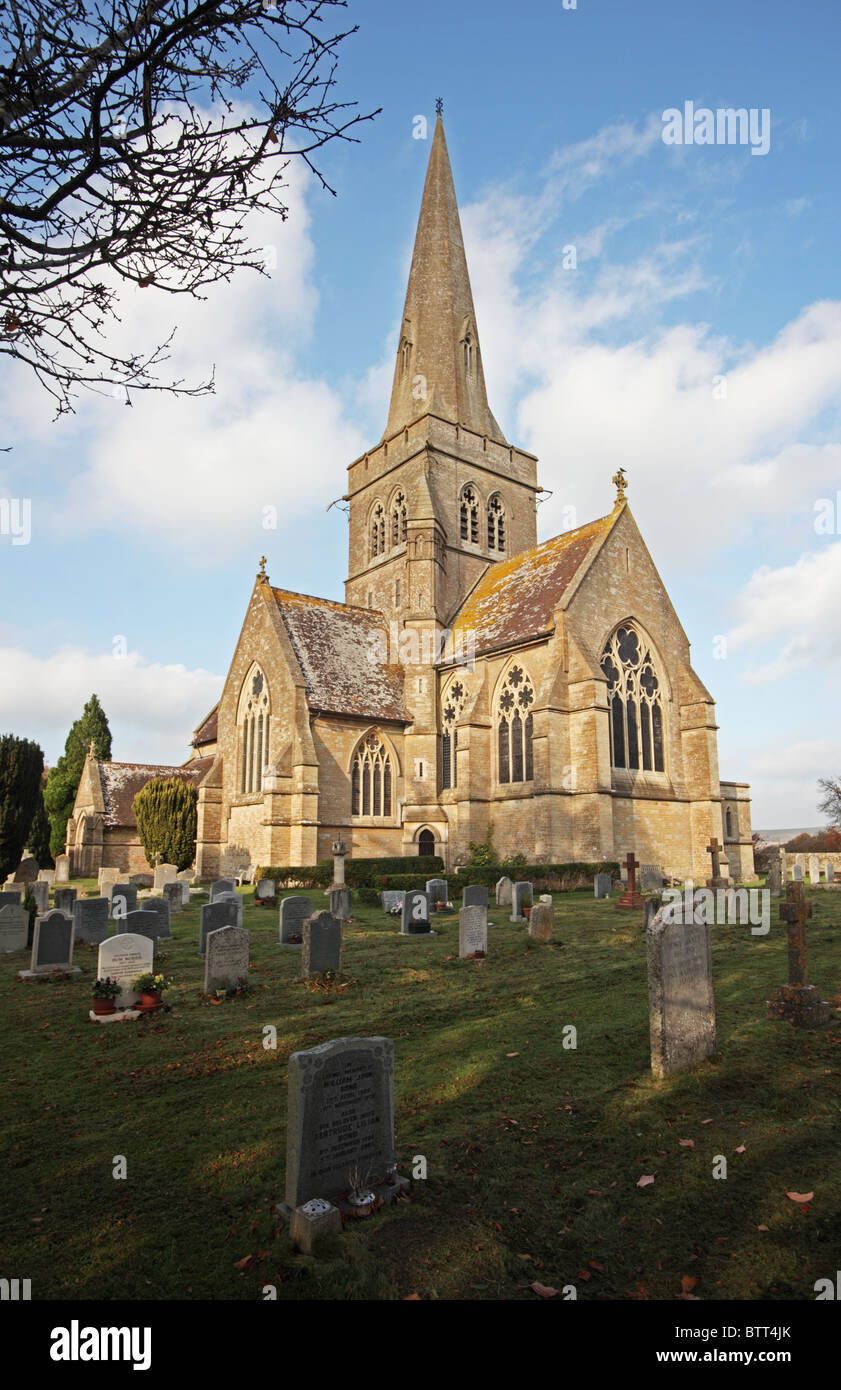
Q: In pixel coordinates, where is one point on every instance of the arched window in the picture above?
(426, 843)
(371, 779)
(378, 530)
(451, 709)
(405, 350)
(398, 519)
(496, 524)
(469, 515)
(729, 825)
(515, 727)
(468, 348)
(253, 741)
(636, 707)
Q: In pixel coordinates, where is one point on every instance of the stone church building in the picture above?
(474, 683)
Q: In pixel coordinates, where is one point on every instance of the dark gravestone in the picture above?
(213, 916)
(235, 900)
(652, 878)
(27, 870)
(52, 943)
(142, 924)
(391, 898)
(173, 895)
(322, 947)
(680, 992)
(222, 885)
(226, 958)
(631, 898)
(123, 901)
(437, 890)
(41, 893)
(522, 895)
(157, 905)
(602, 885)
(415, 917)
(294, 912)
(63, 900)
(13, 897)
(142, 880)
(340, 1126)
(14, 928)
(90, 919)
(475, 895)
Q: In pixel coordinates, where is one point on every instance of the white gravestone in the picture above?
(123, 958)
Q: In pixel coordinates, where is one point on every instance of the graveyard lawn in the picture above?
(534, 1152)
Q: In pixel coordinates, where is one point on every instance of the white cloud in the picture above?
(796, 606)
(784, 788)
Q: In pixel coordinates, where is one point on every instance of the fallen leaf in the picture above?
(706, 1122)
(543, 1290)
(646, 1180)
(763, 1228)
(688, 1283)
(800, 1196)
(412, 1298)
(244, 1263)
(512, 1054)
(686, 1143)
(594, 1264)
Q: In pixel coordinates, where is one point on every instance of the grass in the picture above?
(533, 1149)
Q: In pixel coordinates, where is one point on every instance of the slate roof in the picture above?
(208, 730)
(343, 654)
(515, 600)
(122, 781)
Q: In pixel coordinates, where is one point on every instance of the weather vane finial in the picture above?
(620, 482)
(262, 574)
(439, 106)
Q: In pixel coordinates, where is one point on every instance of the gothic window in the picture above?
(469, 515)
(515, 727)
(371, 779)
(635, 701)
(729, 829)
(378, 530)
(397, 593)
(468, 347)
(496, 524)
(398, 519)
(451, 709)
(254, 732)
(405, 349)
(426, 842)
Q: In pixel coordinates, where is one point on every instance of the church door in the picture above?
(426, 842)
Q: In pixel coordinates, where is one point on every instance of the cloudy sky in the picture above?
(696, 341)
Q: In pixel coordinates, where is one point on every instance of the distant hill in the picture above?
(782, 837)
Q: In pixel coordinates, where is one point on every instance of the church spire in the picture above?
(439, 364)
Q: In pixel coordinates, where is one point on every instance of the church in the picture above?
(474, 684)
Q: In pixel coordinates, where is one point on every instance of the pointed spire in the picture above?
(439, 364)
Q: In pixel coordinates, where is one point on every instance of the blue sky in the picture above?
(697, 343)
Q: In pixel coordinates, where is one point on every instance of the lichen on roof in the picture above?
(121, 782)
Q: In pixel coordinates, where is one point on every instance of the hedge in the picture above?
(359, 873)
(376, 874)
(546, 878)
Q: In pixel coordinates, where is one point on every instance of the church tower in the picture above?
(443, 495)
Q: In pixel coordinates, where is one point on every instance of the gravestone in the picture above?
(475, 895)
(602, 886)
(234, 898)
(814, 870)
(504, 888)
(437, 890)
(829, 871)
(41, 893)
(164, 873)
(13, 897)
(680, 994)
(797, 873)
(222, 885)
(631, 898)
(63, 900)
(90, 919)
(212, 917)
(774, 877)
(322, 945)
(123, 958)
(798, 1002)
(719, 877)
(185, 891)
(142, 880)
(541, 921)
(47, 876)
(14, 928)
(266, 889)
(52, 944)
(340, 1126)
(294, 912)
(186, 876)
(391, 898)
(414, 920)
(62, 868)
(473, 930)
(27, 870)
(161, 908)
(123, 900)
(652, 878)
(522, 895)
(173, 896)
(650, 909)
(340, 902)
(226, 958)
(142, 923)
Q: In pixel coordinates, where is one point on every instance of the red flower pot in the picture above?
(104, 1006)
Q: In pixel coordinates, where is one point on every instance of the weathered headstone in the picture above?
(541, 921)
(173, 895)
(504, 888)
(294, 912)
(774, 877)
(522, 896)
(798, 1002)
(236, 899)
(90, 919)
(391, 898)
(650, 909)
(213, 916)
(814, 870)
(322, 945)
(164, 873)
(13, 897)
(63, 900)
(226, 958)
(141, 923)
(52, 944)
(437, 890)
(829, 871)
(124, 958)
(602, 886)
(161, 908)
(340, 902)
(718, 878)
(475, 895)
(142, 880)
(340, 1125)
(47, 876)
(14, 928)
(41, 893)
(27, 870)
(266, 889)
(797, 873)
(680, 993)
(631, 898)
(473, 930)
(123, 900)
(415, 917)
(62, 868)
(222, 885)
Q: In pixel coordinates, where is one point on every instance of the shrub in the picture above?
(165, 811)
(21, 765)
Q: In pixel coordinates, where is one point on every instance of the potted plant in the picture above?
(151, 987)
(104, 993)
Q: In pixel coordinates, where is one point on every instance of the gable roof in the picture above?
(208, 729)
(515, 600)
(343, 654)
(121, 782)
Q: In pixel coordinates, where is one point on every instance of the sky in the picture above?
(693, 336)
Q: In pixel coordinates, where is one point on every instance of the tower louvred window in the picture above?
(378, 531)
(469, 516)
(399, 523)
(515, 729)
(496, 524)
(635, 702)
(371, 779)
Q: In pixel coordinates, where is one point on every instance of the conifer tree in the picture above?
(21, 766)
(63, 779)
(165, 811)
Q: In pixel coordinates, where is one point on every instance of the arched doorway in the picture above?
(426, 843)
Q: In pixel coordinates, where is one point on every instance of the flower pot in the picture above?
(104, 1006)
(149, 999)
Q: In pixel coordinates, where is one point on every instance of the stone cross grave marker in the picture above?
(213, 916)
(473, 930)
(437, 890)
(522, 896)
(63, 900)
(52, 944)
(322, 946)
(602, 886)
(680, 994)
(161, 908)
(415, 917)
(90, 919)
(123, 900)
(226, 958)
(631, 898)
(222, 885)
(714, 850)
(123, 958)
(798, 1002)
(504, 888)
(475, 895)
(294, 912)
(14, 928)
(541, 921)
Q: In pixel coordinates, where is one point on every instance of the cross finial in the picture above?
(620, 482)
(439, 106)
(262, 574)
(91, 750)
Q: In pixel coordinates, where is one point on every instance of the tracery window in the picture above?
(515, 727)
(450, 713)
(467, 345)
(398, 519)
(636, 705)
(371, 778)
(496, 523)
(254, 732)
(378, 530)
(469, 515)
